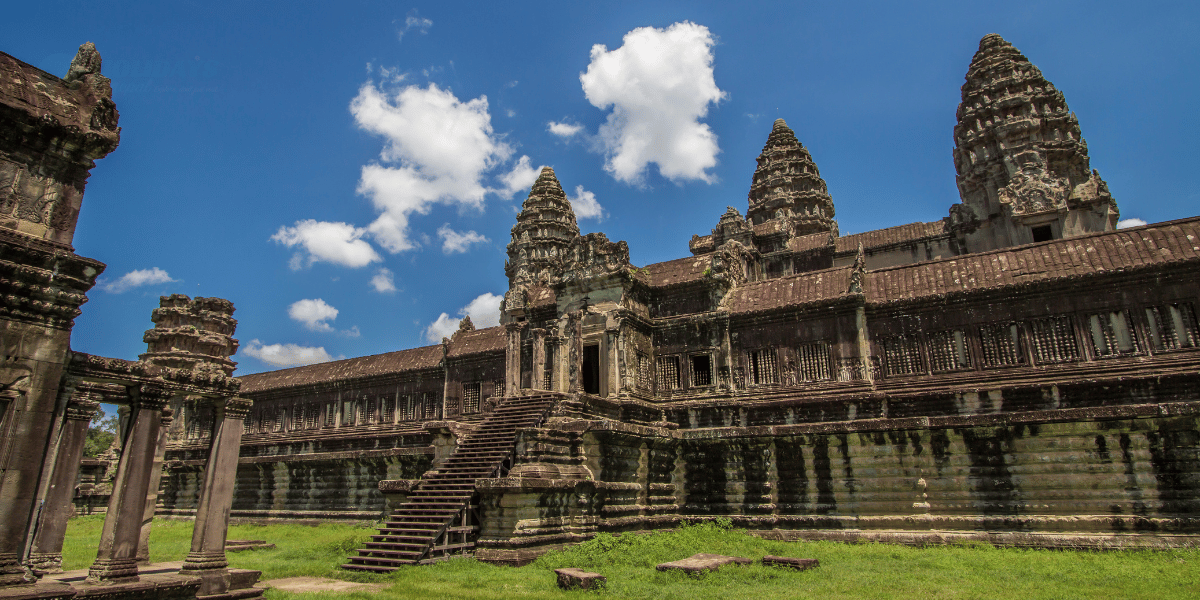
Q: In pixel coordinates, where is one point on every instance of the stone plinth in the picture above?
(699, 563)
(578, 578)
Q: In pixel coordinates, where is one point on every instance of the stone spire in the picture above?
(545, 228)
(1019, 153)
(787, 184)
(192, 334)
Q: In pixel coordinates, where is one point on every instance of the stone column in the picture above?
(207, 557)
(512, 359)
(575, 349)
(612, 333)
(538, 378)
(115, 560)
(46, 551)
(160, 451)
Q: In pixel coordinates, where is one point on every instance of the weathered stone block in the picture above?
(799, 564)
(699, 563)
(578, 578)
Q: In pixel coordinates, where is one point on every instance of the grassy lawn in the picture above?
(846, 571)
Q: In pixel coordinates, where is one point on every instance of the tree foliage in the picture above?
(101, 434)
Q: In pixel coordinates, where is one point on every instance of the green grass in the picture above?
(864, 571)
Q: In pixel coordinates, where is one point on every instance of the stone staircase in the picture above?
(437, 519)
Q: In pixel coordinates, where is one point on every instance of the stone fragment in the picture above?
(699, 563)
(578, 578)
(239, 545)
(799, 564)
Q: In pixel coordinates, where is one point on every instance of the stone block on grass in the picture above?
(578, 578)
(699, 563)
(799, 564)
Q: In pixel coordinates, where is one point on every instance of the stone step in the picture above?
(371, 568)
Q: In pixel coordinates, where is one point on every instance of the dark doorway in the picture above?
(1043, 233)
(591, 369)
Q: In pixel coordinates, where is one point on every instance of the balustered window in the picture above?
(763, 367)
(248, 424)
(1001, 345)
(645, 375)
(548, 369)
(387, 413)
(1173, 326)
(330, 414)
(498, 388)
(1054, 340)
(349, 413)
(280, 420)
(1110, 334)
(470, 397)
(813, 362)
(902, 356)
(948, 351)
(668, 373)
(701, 372)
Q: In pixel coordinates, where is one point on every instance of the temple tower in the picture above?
(196, 335)
(787, 184)
(1021, 162)
(545, 228)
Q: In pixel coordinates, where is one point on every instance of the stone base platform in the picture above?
(158, 581)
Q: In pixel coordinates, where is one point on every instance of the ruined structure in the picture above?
(51, 132)
(1018, 372)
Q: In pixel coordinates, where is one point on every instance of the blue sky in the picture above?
(347, 173)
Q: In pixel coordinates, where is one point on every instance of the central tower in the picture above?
(787, 184)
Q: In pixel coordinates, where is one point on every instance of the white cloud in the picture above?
(414, 21)
(1132, 222)
(564, 129)
(314, 314)
(384, 281)
(137, 278)
(484, 311)
(584, 204)
(519, 179)
(337, 243)
(456, 242)
(437, 149)
(659, 83)
(286, 355)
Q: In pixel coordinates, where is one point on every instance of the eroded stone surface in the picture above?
(799, 564)
(578, 578)
(700, 563)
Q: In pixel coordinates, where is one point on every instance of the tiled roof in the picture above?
(812, 241)
(890, 235)
(474, 342)
(413, 359)
(1120, 250)
(794, 290)
(680, 270)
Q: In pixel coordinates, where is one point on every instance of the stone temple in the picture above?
(1019, 372)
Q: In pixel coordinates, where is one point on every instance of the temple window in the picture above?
(471, 392)
(645, 375)
(902, 356)
(1173, 326)
(668, 373)
(948, 351)
(1110, 334)
(387, 413)
(701, 373)
(813, 362)
(1001, 345)
(1054, 340)
(763, 367)
(1042, 233)
(548, 368)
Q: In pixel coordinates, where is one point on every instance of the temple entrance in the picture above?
(590, 372)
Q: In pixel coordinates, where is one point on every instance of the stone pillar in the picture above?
(612, 333)
(116, 558)
(512, 359)
(575, 360)
(538, 378)
(160, 451)
(46, 551)
(207, 557)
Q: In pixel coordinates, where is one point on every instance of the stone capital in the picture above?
(81, 407)
(151, 396)
(235, 407)
(515, 326)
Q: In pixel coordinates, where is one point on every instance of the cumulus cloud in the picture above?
(458, 242)
(286, 355)
(585, 205)
(384, 281)
(564, 129)
(1133, 222)
(659, 83)
(437, 149)
(137, 278)
(414, 21)
(519, 179)
(313, 314)
(484, 311)
(323, 241)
